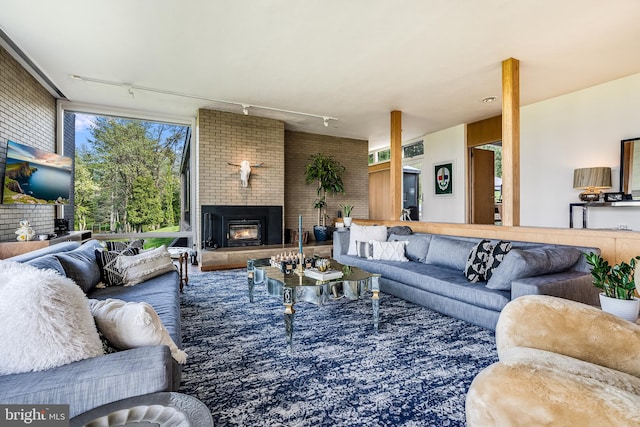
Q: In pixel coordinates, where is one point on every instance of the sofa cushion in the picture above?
(389, 251)
(477, 261)
(80, 265)
(519, 263)
(132, 324)
(365, 233)
(448, 252)
(110, 274)
(47, 262)
(139, 268)
(498, 252)
(46, 320)
(418, 245)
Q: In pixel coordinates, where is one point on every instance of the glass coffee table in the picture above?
(293, 287)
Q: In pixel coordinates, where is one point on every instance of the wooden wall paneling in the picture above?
(484, 131)
(379, 193)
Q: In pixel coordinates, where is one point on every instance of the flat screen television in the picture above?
(33, 176)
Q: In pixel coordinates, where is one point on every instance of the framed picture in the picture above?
(443, 178)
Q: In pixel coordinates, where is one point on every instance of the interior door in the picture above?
(482, 186)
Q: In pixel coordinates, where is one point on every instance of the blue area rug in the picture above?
(414, 372)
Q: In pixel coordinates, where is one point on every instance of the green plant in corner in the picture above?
(327, 173)
(616, 281)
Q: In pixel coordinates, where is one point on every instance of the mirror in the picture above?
(630, 167)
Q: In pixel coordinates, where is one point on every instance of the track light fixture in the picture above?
(245, 107)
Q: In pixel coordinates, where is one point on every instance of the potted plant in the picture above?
(327, 173)
(346, 209)
(617, 284)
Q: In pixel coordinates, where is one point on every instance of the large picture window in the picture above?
(129, 174)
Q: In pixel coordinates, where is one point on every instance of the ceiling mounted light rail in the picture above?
(245, 107)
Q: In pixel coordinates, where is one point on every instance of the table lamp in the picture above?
(592, 180)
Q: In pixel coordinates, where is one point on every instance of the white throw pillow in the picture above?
(46, 320)
(139, 268)
(365, 233)
(390, 251)
(128, 325)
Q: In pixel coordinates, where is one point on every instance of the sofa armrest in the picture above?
(571, 328)
(570, 284)
(90, 383)
(340, 243)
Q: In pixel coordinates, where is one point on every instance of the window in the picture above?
(384, 155)
(413, 150)
(131, 175)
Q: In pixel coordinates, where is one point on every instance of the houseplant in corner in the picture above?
(327, 173)
(346, 209)
(618, 286)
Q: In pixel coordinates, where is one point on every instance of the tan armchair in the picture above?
(562, 363)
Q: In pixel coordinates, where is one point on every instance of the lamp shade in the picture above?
(599, 177)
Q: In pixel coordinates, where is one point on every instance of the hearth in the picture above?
(233, 226)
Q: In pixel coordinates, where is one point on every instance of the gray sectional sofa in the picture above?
(434, 274)
(92, 382)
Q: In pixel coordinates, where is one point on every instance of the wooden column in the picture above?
(511, 142)
(396, 165)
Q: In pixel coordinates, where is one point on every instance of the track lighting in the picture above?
(245, 107)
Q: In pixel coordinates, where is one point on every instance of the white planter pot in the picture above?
(626, 309)
(347, 221)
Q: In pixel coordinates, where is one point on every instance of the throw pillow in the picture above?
(128, 325)
(477, 261)
(496, 257)
(80, 265)
(449, 252)
(418, 245)
(46, 320)
(521, 263)
(113, 245)
(364, 249)
(111, 275)
(389, 251)
(365, 233)
(399, 230)
(139, 268)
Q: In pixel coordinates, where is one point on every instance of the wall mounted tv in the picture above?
(33, 176)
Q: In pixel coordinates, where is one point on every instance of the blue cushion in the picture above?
(519, 263)
(47, 262)
(80, 265)
(448, 252)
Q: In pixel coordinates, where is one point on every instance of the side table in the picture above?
(182, 256)
(165, 409)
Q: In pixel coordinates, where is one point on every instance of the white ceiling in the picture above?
(355, 60)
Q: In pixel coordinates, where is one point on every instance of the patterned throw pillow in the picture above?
(364, 249)
(476, 267)
(121, 246)
(495, 258)
(111, 274)
(389, 251)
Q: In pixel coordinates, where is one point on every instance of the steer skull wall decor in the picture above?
(245, 170)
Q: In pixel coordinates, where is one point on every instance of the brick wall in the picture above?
(227, 137)
(27, 116)
(299, 197)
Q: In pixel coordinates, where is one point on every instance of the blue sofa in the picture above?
(93, 382)
(433, 277)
